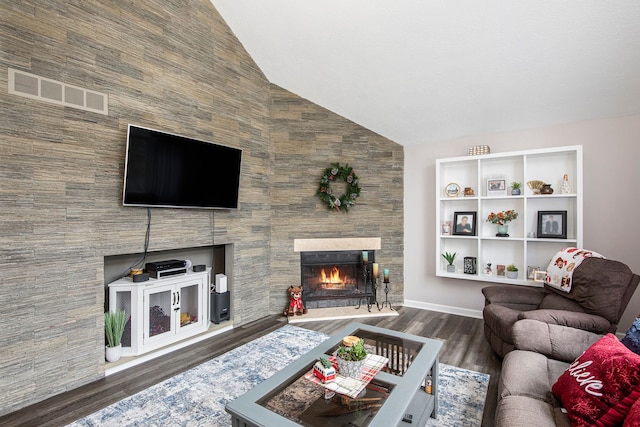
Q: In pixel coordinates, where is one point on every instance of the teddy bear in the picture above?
(295, 305)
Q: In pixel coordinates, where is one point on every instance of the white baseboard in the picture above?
(444, 309)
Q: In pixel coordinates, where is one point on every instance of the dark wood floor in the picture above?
(464, 346)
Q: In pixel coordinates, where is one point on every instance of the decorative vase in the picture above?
(349, 368)
(512, 274)
(546, 189)
(451, 268)
(503, 231)
(113, 354)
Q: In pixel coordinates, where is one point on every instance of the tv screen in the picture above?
(166, 170)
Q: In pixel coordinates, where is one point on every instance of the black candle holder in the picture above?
(386, 297)
(367, 280)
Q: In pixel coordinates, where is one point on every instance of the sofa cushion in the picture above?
(521, 411)
(539, 374)
(632, 338)
(600, 386)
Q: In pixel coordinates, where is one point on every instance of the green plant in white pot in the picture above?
(351, 356)
(450, 258)
(512, 271)
(114, 322)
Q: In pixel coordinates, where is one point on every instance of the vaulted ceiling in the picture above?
(424, 71)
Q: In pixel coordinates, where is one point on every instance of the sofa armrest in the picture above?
(510, 295)
(585, 321)
(554, 341)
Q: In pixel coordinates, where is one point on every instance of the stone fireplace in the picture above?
(332, 271)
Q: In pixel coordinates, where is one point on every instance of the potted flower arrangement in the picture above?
(114, 322)
(450, 258)
(501, 219)
(351, 356)
(512, 271)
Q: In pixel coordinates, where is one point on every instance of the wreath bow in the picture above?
(332, 174)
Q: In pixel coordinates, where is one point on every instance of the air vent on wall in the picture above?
(43, 89)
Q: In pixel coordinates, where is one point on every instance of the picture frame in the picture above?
(452, 190)
(496, 186)
(464, 223)
(552, 225)
(500, 270)
(531, 272)
(539, 276)
(445, 228)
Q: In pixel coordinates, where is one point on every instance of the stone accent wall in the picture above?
(306, 139)
(173, 66)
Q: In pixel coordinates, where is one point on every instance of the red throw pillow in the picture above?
(601, 385)
(633, 417)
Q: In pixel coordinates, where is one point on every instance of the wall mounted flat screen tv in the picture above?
(166, 170)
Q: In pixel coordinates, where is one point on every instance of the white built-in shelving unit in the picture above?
(524, 247)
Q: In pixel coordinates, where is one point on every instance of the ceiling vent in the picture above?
(47, 90)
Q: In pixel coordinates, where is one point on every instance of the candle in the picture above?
(385, 272)
(375, 270)
(365, 257)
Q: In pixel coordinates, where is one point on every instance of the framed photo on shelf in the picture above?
(452, 190)
(539, 276)
(552, 224)
(496, 186)
(445, 228)
(500, 270)
(531, 270)
(464, 223)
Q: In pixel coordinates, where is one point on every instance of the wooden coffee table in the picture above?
(395, 397)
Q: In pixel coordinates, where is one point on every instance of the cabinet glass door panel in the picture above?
(123, 302)
(158, 312)
(190, 305)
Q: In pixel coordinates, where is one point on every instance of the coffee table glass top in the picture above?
(309, 404)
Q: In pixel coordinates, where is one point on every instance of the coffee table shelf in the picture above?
(396, 393)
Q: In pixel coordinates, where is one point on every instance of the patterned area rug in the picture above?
(198, 396)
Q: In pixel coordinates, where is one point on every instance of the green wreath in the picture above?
(332, 174)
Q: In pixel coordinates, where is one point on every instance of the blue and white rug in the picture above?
(198, 396)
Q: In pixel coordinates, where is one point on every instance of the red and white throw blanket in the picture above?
(562, 265)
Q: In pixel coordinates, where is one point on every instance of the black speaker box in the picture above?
(220, 307)
(198, 268)
(142, 277)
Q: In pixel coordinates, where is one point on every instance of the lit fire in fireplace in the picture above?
(333, 280)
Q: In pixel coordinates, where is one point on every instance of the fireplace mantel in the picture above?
(337, 244)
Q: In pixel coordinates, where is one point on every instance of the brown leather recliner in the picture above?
(599, 295)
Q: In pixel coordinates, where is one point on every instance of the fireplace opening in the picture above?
(335, 278)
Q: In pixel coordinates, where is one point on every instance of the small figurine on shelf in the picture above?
(487, 269)
(565, 188)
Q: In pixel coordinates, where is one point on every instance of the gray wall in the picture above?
(611, 174)
(174, 66)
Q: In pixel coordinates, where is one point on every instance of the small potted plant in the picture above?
(512, 271)
(450, 257)
(114, 322)
(351, 356)
(515, 188)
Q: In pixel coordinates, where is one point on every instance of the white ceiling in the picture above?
(424, 71)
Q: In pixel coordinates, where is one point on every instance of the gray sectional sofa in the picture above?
(543, 352)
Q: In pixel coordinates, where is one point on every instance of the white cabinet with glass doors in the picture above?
(161, 311)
